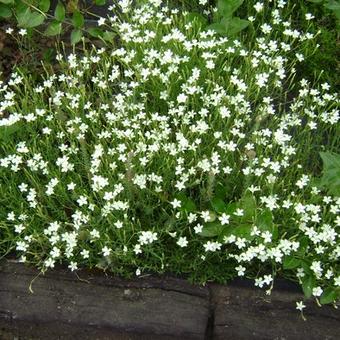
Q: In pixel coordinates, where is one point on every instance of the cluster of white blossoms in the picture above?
(176, 139)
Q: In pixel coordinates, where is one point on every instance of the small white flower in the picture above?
(101, 21)
(106, 251)
(119, 224)
(9, 30)
(176, 203)
(300, 305)
(240, 270)
(182, 242)
(224, 219)
(71, 186)
(73, 266)
(198, 228)
(85, 254)
(317, 291)
(23, 32)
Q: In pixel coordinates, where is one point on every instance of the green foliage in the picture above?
(5, 11)
(332, 5)
(37, 13)
(331, 172)
(225, 22)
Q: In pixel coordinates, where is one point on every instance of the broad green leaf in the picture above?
(5, 11)
(331, 172)
(212, 229)
(329, 295)
(29, 19)
(333, 5)
(78, 19)
(59, 12)
(315, 1)
(264, 221)
(100, 2)
(76, 36)
(95, 32)
(291, 262)
(218, 205)
(308, 283)
(187, 204)
(248, 204)
(242, 230)
(108, 36)
(226, 8)
(54, 28)
(6, 2)
(217, 27)
(44, 5)
(234, 26)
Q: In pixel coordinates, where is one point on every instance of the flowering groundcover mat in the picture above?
(179, 150)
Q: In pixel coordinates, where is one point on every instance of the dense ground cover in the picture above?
(180, 150)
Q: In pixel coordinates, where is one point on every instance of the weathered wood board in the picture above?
(165, 309)
(248, 313)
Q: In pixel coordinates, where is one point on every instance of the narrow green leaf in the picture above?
(5, 11)
(78, 19)
(54, 28)
(59, 12)
(76, 36)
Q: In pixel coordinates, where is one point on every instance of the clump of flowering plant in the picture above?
(177, 151)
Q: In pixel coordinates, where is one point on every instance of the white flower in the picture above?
(224, 219)
(137, 249)
(85, 254)
(309, 16)
(300, 306)
(198, 228)
(22, 31)
(176, 203)
(240, 270)
(182, 242)
(147, 237)
(82, 200)
(101, 21)
(258, 7)
(106, 251)
(317, 291)
(212, 246)
(71, 186)
(119, 224)
(73, 266)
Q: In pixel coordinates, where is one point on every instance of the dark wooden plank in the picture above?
(140, 308)
(244, 313)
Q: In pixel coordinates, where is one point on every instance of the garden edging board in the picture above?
(93, 305)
